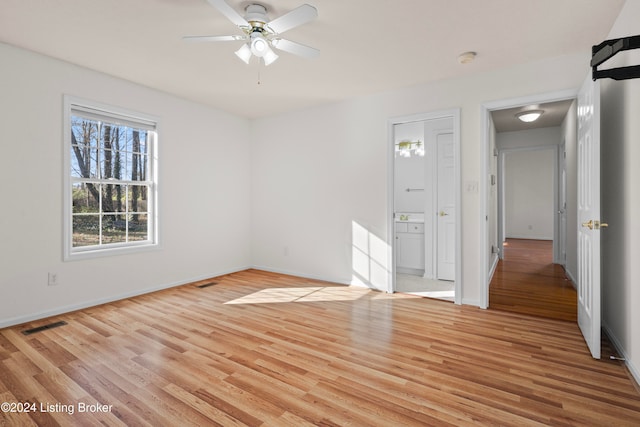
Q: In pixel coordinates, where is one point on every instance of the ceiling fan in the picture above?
(261, 34)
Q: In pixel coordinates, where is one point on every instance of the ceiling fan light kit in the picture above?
(260, 34)
(244, 53)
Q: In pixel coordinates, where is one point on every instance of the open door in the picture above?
(589, 214)
(446, 207)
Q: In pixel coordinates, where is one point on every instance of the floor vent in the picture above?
(206, 285)
(44, 328)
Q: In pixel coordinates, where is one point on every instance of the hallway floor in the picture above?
(526, 281)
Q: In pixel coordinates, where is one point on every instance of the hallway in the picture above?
(526, 281)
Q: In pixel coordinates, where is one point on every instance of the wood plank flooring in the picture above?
(262, 349)
(526, 281)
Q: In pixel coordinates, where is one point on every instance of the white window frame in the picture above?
(114, 115)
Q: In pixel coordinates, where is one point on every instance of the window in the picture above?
(110, 180)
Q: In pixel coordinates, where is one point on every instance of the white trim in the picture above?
(485, 111)
(5, 323)
(494, 265)
(454, 114)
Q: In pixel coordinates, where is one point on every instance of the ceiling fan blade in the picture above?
(298, 16)
(213, 38)
(229, 12)
(296, 48)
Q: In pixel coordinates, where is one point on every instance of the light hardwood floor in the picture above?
(259, 348)
(526, 281)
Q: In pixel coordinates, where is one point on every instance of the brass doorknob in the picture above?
(591, 224)
(588, 224)
(443, 213)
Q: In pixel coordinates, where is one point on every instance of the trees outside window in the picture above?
(111, 185)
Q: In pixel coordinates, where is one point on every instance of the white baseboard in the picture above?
(622, 353)
(525, 237)
(493, 267)
(570, 276)
(4, 323)
(473, 302)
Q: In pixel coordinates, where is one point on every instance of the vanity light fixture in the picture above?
(529, 115)
(408, 148)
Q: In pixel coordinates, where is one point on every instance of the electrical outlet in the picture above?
(53, 279)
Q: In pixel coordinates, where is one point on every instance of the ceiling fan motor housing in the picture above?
(256, 15)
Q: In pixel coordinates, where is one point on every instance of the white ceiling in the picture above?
(553, 114)
(366, 46)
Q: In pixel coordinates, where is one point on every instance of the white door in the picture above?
(561, 255)
(446, 207)
(589, 214)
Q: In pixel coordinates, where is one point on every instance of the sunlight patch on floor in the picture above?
(430, 288)
(314, 294)
(303, 294)
(436, 294)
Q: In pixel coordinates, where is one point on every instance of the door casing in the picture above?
(454, 114)
(486, 108)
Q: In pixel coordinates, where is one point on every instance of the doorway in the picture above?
(424, 182)
(528, 187)
(545, 143)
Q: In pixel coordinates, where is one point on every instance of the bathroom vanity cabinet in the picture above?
(410, 247)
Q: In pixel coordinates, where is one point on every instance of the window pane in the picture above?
(118, 157)
(84, 161)
(113, 231)
(113, 198)
(143, 142)
(126, 143)
(86, 230)
(108, 195)
(106, 164)
(138, 198)
(85, 198)
(138, 227)
(84, 148)
(136, 166)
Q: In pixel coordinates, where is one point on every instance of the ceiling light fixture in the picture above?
(529, 116)
(466, 57)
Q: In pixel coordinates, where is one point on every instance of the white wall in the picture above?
(318, 171)
(529, 193)
(204, 191)
(531, 138)
(620, 197)
(529, 185)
